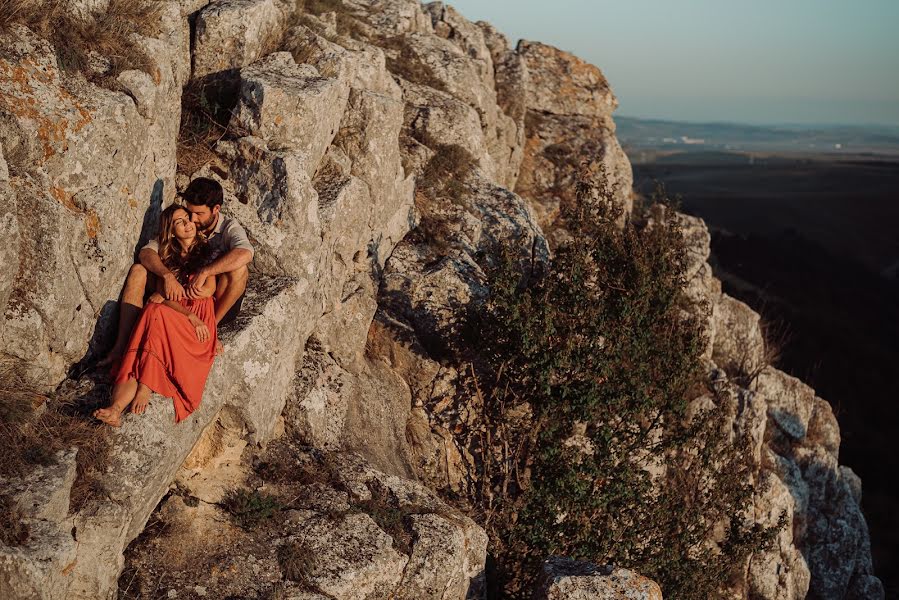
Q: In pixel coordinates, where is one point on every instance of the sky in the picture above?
(760, 62)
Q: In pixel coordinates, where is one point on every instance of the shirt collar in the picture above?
(219, 225)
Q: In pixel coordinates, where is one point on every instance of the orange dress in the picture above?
(165, 355)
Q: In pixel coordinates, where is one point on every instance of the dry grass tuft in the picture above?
(81, 46)
(206, 111)
(295, 561)
(33, 439)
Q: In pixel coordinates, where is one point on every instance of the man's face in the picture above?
(202, 216)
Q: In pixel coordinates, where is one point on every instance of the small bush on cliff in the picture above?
(249, 509)
(609, 466)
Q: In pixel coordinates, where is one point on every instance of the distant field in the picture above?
(850, 205)
(807, 241)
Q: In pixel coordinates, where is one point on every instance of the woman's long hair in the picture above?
(170, 251)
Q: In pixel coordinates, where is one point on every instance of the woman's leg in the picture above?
(131, 304)
(122, 395)
(141, 399)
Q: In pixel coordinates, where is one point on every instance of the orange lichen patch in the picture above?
(278, 119)
(84, 120)
(64, 198)
(70, 567)
(132, 202)
(157, 75)
(50, 131)
(31, 92)
(92, 224)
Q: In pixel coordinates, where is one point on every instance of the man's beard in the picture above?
(206, 228)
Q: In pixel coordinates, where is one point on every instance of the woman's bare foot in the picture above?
(141, 400)
(219, 347)
(110, 416)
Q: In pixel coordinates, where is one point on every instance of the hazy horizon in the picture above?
(803, 63)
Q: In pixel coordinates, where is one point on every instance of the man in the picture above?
(231, 252)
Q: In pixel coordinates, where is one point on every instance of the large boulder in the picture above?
(568, 118)
(436, 118)
(290, 106)
(738, 345)
(362, 65)
(231, 34)
(94, 164)
(566, 579)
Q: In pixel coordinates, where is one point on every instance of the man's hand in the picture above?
(156, 298)
(195, 289)
(174, 291)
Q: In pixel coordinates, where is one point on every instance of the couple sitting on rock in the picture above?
(189, 280)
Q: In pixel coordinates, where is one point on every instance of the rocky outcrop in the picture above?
(568, 106)
(565, 579)
(352, 532)
(231, 34)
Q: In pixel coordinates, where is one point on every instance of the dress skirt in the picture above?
(165, 355)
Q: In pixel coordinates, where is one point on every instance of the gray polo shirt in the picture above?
(227, 235)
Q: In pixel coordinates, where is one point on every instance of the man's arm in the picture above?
(149, 258)
(230, 261)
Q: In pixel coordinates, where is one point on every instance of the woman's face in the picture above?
(182, 228)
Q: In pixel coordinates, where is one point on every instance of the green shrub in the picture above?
(603, 348)
(250, 509)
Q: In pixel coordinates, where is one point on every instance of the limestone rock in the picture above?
(290, 106)
(352, 559)
(468, 79)
(278, 206)
(566, 579)
(446, 560)
(391, 17)
(738, 344)
(434, 117)
(41, 568)
(9, 229)
(836, 542)
(554, 147)
(316, 410)
(562, 84)
(780, 573)
(44, 493)
(790, 402)
(93, 165)
(361, 65)
(231, 34)
(368, 136)
(467, 36)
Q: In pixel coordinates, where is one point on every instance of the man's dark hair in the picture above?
(204, 191)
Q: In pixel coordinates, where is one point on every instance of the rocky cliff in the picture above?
(332, 401)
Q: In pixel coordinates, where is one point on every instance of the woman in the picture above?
(173, 344)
